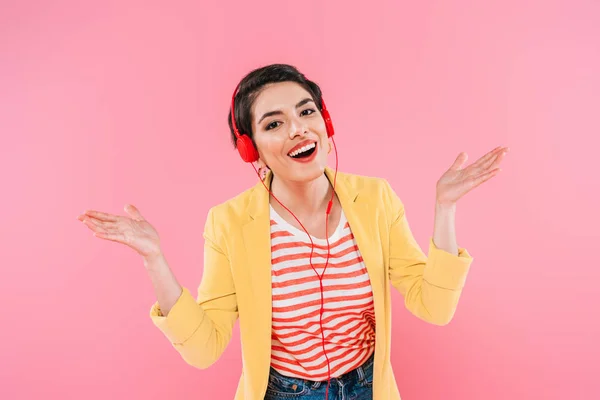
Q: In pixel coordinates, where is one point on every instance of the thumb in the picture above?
(133, 212)
(460, 160)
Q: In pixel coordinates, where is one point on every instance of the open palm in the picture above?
(133, 231)
(458, 181)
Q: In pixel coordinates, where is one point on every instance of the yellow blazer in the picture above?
(236, 281)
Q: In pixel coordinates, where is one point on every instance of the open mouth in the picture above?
(304, 151)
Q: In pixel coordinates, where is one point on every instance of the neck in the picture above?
(303, 198)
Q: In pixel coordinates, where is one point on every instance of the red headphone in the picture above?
(244, 144)
(249, 154)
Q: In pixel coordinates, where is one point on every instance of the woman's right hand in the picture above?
(133, 231)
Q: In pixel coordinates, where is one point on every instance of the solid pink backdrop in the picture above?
(108, 103)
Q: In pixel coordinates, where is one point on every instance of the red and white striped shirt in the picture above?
(348, 316)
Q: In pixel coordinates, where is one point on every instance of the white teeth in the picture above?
(302, 149)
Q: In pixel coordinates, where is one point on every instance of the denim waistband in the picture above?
(357, 374)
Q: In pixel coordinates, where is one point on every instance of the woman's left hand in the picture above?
(458, 181)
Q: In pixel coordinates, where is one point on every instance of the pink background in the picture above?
(106, 103)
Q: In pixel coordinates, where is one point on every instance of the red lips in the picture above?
(301, 144)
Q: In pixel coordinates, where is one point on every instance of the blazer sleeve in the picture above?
(200, 329)
(431, 284)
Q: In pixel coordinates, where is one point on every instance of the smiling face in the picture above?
(289, 132)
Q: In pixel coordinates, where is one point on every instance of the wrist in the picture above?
(153, 260)
(444, 206)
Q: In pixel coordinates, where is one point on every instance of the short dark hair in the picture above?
(251, 86)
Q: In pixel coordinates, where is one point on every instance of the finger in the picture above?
(133, 212)
(460, 160)
(97, 222)
(92, 225)
(496, 161)
(492, 163)
(114, 237)
(487, 157)
(486, 162)
(486, 165)
(101, 216)
(101, 226)
(105, 224)
(476, 181)
(109, 227)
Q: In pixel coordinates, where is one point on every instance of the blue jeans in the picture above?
(353, 385)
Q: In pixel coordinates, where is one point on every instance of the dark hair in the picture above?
(251, 86)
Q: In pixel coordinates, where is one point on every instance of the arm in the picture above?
(432, 284)
(201, 329)
(166, 287)
(444, 228)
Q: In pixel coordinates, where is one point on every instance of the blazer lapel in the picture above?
(257, 243)
(362, 218)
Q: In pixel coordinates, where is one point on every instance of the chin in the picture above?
(307, 173)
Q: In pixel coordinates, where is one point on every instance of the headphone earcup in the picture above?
(246, 149)
(328, 123)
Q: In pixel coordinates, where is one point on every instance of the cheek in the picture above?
(270, 147)
(320, 128)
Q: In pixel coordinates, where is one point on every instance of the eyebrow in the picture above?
(270, 113)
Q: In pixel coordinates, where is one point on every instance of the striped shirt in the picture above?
(348, 316)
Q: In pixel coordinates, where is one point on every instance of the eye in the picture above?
(272, 125)
(308, 109)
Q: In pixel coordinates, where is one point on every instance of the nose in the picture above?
(297, 128)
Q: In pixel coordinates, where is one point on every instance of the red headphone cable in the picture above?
(329, 206)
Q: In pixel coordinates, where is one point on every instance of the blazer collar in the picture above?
(258, 206)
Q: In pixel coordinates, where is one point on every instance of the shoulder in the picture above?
(361, 181)
(229, 215)
(235, 206)
(234, 211)
(366, 185)
(376, 191)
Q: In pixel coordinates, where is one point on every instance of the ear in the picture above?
(262, 169)
(261, 164)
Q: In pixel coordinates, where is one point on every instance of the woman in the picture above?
(305, 258)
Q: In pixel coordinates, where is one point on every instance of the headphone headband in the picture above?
(235, 130)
